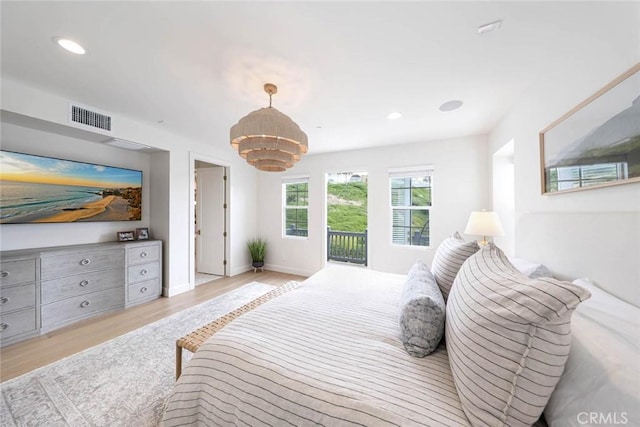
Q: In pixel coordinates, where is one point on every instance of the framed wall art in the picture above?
(597, 143)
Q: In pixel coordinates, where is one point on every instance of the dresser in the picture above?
(19, 297)
(144, 271)
(47, 288)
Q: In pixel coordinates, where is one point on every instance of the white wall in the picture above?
(558, 91)
(32, 141)
(504, 196)
(460, 185)
(170, 194)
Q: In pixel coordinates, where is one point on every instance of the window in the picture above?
(296, 207)
(410, 206)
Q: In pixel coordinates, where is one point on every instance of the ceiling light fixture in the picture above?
(69, 45)
(487, 28)
(394, 116)
(451, 105)
(268, 139)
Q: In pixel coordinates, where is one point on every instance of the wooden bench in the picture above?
(193, 340)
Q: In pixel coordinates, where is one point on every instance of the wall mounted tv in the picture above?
(37, 189)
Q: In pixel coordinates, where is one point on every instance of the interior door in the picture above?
(210, 220)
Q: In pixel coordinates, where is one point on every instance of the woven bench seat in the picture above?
(193, 340)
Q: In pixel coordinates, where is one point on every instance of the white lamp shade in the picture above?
(484, 224)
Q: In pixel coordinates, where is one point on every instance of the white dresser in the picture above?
(47, 288)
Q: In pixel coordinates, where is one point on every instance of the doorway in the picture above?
(209, 222)
(347, 236)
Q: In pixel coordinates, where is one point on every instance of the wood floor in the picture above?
(25, 356)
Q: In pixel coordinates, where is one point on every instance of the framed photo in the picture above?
(125, 236)
(597, 143)
(142, 233)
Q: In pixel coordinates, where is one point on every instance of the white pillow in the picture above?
(601, 381)
(448, 259)
(530, 269)
(507, 339)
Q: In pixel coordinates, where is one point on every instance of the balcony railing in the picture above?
(346, 246)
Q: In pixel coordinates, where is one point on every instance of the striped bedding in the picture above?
(327, 354)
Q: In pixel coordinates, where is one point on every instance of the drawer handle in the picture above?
(4, 274)
(85, 261)
(144, 255)
(4, 327)
(85, 304)
(144, 272)
(84, 283)
(4, 300)
(143, 289)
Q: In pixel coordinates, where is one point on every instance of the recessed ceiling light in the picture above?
(451, 105)
(394, 116)
(69, 45)
(487, 28)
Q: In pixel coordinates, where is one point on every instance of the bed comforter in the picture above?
(327, 353)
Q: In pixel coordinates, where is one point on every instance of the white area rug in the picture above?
(122, 382)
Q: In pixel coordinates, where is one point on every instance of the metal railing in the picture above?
(300, 232)
(346, 246)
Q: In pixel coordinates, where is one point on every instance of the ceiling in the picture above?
(195, 68)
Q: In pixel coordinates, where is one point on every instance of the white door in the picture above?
(210, 220)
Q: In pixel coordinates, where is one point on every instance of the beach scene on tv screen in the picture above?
(37, 189)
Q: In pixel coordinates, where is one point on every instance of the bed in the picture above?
(329, 353)
(326, 353)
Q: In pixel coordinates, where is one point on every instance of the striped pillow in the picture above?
(449, 257)
(507, 338)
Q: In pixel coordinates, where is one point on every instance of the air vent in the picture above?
(87, 118)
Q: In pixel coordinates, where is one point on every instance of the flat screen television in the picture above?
(38, 189)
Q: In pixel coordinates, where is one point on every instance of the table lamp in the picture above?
(485, 224)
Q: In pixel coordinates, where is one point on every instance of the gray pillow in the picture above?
(419, 269)
(422, 312)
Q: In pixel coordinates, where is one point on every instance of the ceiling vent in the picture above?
(88, 118)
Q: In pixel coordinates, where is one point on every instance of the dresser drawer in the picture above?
(137, 255)
(52, 267)
(18, 322)
(67, 311)
(81, 284)
(148, 290)
(16, 272)
(17, 297)
(143, 272)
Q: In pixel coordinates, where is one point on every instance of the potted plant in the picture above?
(257, 249)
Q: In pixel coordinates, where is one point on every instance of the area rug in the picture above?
(122, 382)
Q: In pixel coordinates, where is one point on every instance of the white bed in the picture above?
(339, 363)
(331, 353)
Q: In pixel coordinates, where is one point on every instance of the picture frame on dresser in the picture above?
(142, 233)
(597, 143)
(126, 236)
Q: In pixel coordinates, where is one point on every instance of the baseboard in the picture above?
(288, 270)
(175, 290)
(240, 270)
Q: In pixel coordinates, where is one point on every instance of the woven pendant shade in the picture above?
(277, 156)
(269, 139)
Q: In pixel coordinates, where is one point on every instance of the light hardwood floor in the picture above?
(25, 356)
